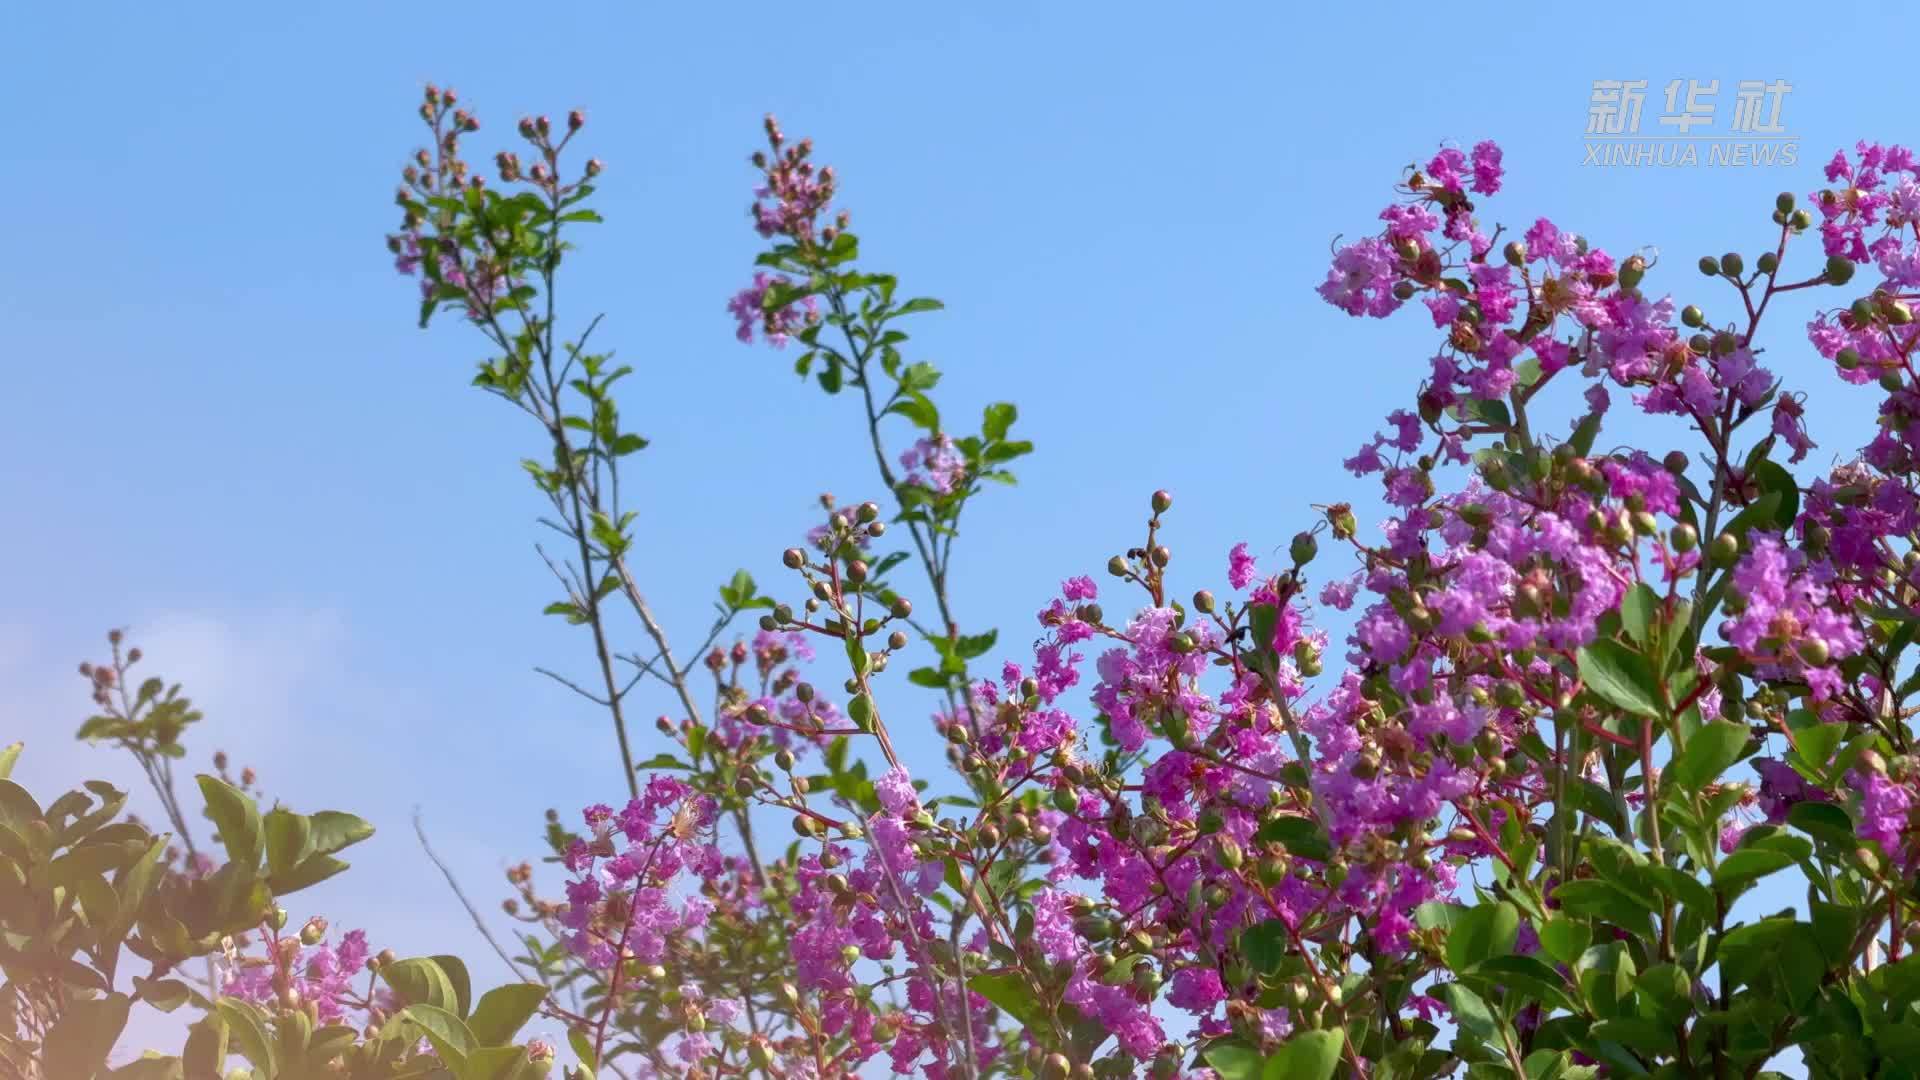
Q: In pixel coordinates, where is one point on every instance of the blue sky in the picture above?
(228, 435)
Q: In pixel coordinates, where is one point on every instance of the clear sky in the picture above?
(224, 431)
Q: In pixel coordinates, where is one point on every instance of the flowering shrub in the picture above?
(1587, 701)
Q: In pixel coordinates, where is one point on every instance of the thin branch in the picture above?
(420, 830)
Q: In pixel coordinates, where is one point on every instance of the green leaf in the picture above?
(1638, 610)
(976, 645)
(1469, 1010)
(1313, 1055)
(1602, 900)
(921, 376)
(998, 420)
(918, 304)
(1774, 479)
(206, 1050)
(504, 1010)
(333, 830)
(582, 1044)
(447, 1032)
(1527, 975)
(927, 677)
(1620, 676)
(247, 1032)
(313, 870)
(420, 980)
(1482, 932)
(456, 970)
(1301, 836)
(1708, 754)
(78, 1045)
(917, 408)
(289, 840)
(1748, 865)
(1234, 1060)
(1011, 994)
(1822, 821)
(163, 994)
(1265, 946)
(238, 820)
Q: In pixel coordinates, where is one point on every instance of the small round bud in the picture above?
(794, 558)
(1203, 602)
(1726, 548)
(1839, 268)
(1117, 566)
(1162, 502)
(1684, 538)
(1783, 202)
(576, 120)
(1516, 253)
(1848, 358)
(1304, 548)
(1801, 220)
(1732, 264)
(1891, 381)
(868, 511)
(1691, 316)
(897, 640)
(901, 607)
(1632, 271)
(1768, 262)
(313, 931)
(1709, 266)
(1162, 555)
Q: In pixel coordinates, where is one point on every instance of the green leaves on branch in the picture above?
(1310, 1055)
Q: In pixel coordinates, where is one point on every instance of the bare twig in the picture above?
(479, 924)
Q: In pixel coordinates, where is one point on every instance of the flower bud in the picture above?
(1768, 262)
(1162, 555)
(576, 120)
(1684, 538)
(315, 930)
(1632, 271)
(1726, 548)
(1709, 266)
(1203, 602)
(1516, 253)
(1340, 517)
(1839, 268)
(1732, 265)
(1304, 548)
(1162, 502)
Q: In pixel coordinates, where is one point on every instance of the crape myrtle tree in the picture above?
(1592, 696)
